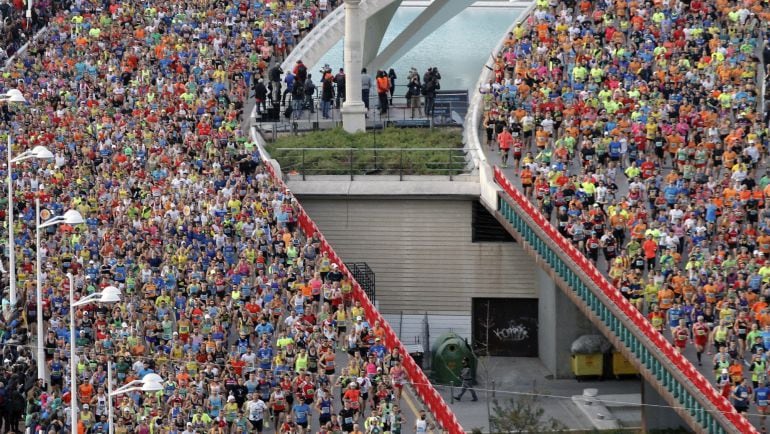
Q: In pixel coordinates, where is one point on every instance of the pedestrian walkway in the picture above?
(639, 138)
(397, 116)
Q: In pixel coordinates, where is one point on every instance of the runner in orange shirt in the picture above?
(505, 142)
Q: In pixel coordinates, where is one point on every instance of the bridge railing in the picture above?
(371, 161)
(476, 107)
(420, 383)
(651, 350)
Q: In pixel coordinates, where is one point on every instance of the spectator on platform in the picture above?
(383, 90)
(366, 85)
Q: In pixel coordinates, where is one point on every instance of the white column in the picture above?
(353, 110)
(73, 364)
(11, 240)
(110, 411)
(39, 295)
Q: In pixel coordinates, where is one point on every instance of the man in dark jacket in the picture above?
(310, 89)
(275, 84)
(260, 95)
(339, 80)
(327, 95)
(467, 379)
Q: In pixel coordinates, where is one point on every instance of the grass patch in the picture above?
(390, 151)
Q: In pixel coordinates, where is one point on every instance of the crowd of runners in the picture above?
(251, 326)
(635, 127)
(17, 28)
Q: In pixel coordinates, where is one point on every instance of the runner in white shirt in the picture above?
(255, 408)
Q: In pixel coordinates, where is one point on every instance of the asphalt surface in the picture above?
(410, 405)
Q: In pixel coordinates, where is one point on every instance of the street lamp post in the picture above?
(15, 96)
(71, 217)
(148, 383)
(109, 294)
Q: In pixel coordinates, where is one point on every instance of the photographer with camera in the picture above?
(275, 84)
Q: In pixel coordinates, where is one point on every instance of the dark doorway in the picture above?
(485, 227)
(505, 326)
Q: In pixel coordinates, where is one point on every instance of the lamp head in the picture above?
(13, 95)
(152, 386)
(152, 377)
(41, 152)
(73, 217)
(109, 294)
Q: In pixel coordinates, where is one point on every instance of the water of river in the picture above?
(459, 48)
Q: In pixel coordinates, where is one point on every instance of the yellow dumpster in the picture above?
(621, 366)
(587, 365)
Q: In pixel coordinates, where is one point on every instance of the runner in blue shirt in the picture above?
(300, 412)
(742, 396)
(761, 398)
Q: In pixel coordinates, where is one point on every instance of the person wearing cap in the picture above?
(230, 410)
(378, 349)
(86, 416)
(335, 274)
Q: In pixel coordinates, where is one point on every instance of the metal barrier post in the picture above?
(303, 164)
(401, 166)
(351, 164)
(374, 135)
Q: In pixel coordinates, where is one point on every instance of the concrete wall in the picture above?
(560, 324)
(422, 254)
(657, 413)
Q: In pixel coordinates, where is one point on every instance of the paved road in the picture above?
(410, 405)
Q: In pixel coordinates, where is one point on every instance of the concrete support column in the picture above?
(560, 324)
(353, 109)
(656, 411)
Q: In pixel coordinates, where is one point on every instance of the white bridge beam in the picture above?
(377, 15)
(376, 26)
(433, 17)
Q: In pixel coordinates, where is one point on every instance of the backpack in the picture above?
(309, 87)
(302, 71)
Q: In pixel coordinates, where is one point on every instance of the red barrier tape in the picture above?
(421, 384)
(676, 359)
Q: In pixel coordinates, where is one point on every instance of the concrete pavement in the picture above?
(517, 376)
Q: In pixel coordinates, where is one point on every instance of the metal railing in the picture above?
(365, 277)
(691, 395)
(400, 114)
(371, 161)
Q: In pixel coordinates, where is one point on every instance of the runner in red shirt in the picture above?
(648, 168)
(700, 331)
(680, 335)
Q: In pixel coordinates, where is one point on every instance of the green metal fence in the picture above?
(613, 323)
